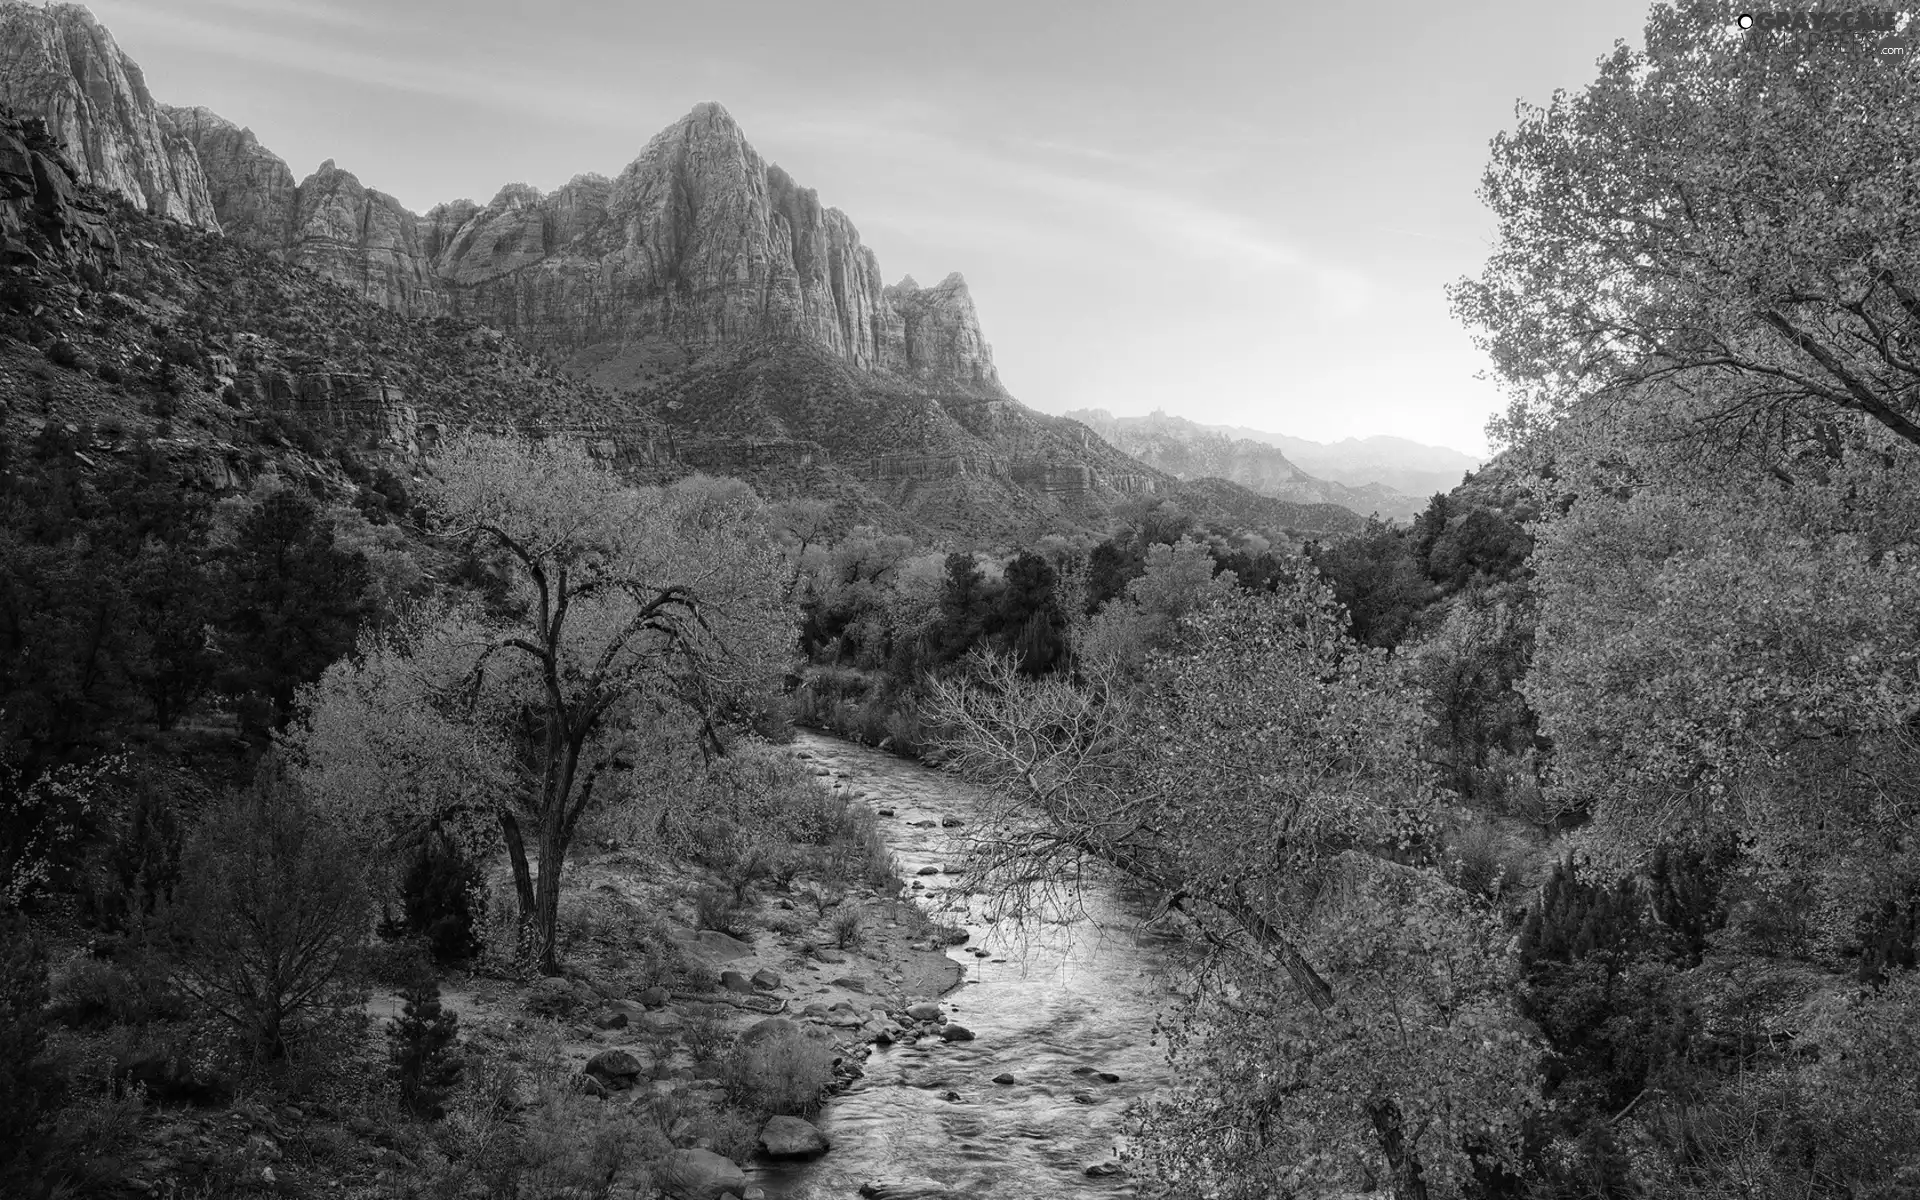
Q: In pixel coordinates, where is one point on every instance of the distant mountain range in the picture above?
(1386, 475)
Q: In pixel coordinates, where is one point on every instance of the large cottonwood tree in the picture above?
(624, 604)
(1718, 208)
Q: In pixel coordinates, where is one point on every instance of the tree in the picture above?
(297, 599)
(420, 1040)
(1377, 581)
(268, 916)
(624, 604)
(1720, 207)
(1262, 778)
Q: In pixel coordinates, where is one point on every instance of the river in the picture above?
(1065, 1006)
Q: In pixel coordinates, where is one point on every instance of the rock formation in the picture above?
(251, 188)
(44, 216)
(59, 64)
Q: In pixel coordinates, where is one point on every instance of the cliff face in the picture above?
(250, 187)
(62, 66)
(45, 217)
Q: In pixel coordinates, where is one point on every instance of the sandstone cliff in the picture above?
(45, 216)
(250, 187)
(59, 64)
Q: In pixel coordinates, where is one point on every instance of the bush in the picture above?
(442, 897)
(88, 992)
(268, 918)
(26, 1091)
(719, 909)
(784, 1073)
(707, 1036)
(847, 931)
(421, 1046)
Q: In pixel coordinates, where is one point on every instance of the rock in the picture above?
(883, 812)
(766, 978)
(883, 1037)
(63, 67)
(923, 825)
(1101, 1170)
(611, 1020)
(699, 1175)
(1003, 1078)
(852, 983)
(925, 1010)
(832, 958)
(722, 946)
(615, 1068)
(951, 822)
(956, 1033)
(1106, 1077)
(928, 871)
(653, 997)
(904, 1188)
(792, 1137)
(734, 981)
(591, 1085)
(771, 1027)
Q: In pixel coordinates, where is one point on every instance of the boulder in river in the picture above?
(926, 1010)
(699, 1175)
(956, 1033)
(883, 812)
(1100, 1170)
(928, 871)
(1003, 1078)
(951, 822)
(792, 1137)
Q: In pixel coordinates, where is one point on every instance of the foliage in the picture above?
(439, 895)
(1376, 579)
(625, 603)
(267, 920)
(1291, 854)
(297, 599)
(782, 1073)
(26, 1093)
(1717, 207)
(425, 1065)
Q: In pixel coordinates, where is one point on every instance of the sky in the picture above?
(1241, 213)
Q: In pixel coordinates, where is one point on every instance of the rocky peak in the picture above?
(252, 188)
(59, 64)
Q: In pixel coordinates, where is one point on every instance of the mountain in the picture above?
(716, 315)
(1189, 450)
(1409, 467)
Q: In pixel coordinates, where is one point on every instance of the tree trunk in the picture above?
(522, 876)
(546, 912)
(1409, 1182)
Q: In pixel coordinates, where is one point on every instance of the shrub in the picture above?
(61, 353)
(847, 931)
(439, 894)
(784, 1073)
(268, 917)
(707, 1036)
(1480, 861)
(421, 1046)
(26, 1092)
(86, 991)
(718, 909)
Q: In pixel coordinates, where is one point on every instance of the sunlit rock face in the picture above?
(59, 64)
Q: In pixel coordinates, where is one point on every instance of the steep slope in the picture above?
(1189, 450)
(61, 65)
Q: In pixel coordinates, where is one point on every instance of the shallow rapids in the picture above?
(1064, 1007)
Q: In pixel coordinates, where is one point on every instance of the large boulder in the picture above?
(771, 1028)
(792, 1137)
(956, 1033)
(734, 981)
(616, 1069)
(699, 1175)
(926, 1010)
